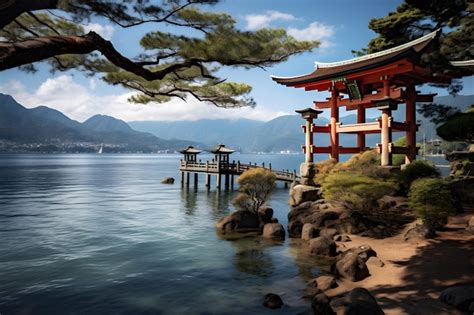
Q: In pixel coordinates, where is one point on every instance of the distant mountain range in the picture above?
(48, 130)
(279, 134)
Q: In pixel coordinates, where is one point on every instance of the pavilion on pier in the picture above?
(382, 80)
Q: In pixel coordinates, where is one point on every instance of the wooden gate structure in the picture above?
(381, 80)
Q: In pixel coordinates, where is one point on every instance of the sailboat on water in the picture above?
(101, 149)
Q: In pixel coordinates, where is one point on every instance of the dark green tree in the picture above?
(415, 18)
(171, 64)
(459, 127)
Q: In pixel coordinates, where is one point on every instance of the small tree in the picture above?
(431, 198)
(255, 186)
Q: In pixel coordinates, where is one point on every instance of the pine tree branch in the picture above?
(43, 23)
(11, 9)
(41, 48)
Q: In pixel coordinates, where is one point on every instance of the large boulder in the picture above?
(460, 296)
(239, 221)
(328, 232)
(322, 246)
(374, 261)
(351, 266)
(308, 169)
(309, 232)
(273, 230)
(320, 305)
(325, 282)
(417, 232)
(363, 251)
(360, 302)
(302, 193)
(342, 238)
(272, 301)
(312, 212)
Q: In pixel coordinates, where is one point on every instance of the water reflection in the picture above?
(308, 266)
(251, 256)
(189, 197)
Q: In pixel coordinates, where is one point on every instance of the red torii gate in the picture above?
(382, 80)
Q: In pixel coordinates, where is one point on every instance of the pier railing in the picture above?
(234, 168)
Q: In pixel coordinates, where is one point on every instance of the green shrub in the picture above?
(367, 163)
(431, 198)
(360, 161)
(255, 185)
(356, 189)
(417, 169)
(324, 168)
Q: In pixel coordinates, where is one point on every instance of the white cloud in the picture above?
(314, 31)
(80, 102)
(106, 31)
(257, 21)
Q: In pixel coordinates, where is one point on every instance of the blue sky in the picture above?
(340, 25)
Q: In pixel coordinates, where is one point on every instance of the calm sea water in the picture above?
(99, 234)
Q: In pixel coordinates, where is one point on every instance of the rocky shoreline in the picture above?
(354, 243)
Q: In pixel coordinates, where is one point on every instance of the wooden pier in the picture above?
(227, 171)
(221, 166)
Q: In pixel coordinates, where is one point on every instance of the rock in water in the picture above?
(360, 301)
(265, 214)
(272, 301)
(168, 180)
(320, 305)
(273, 230)
(461, 297)
(322, 246)
(239, 221)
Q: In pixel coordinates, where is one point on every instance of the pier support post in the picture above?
(187, 178)
(218, 181)
(232, 182)
(208, 181)
(182, 178)
(226, 183)
(196, 179)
